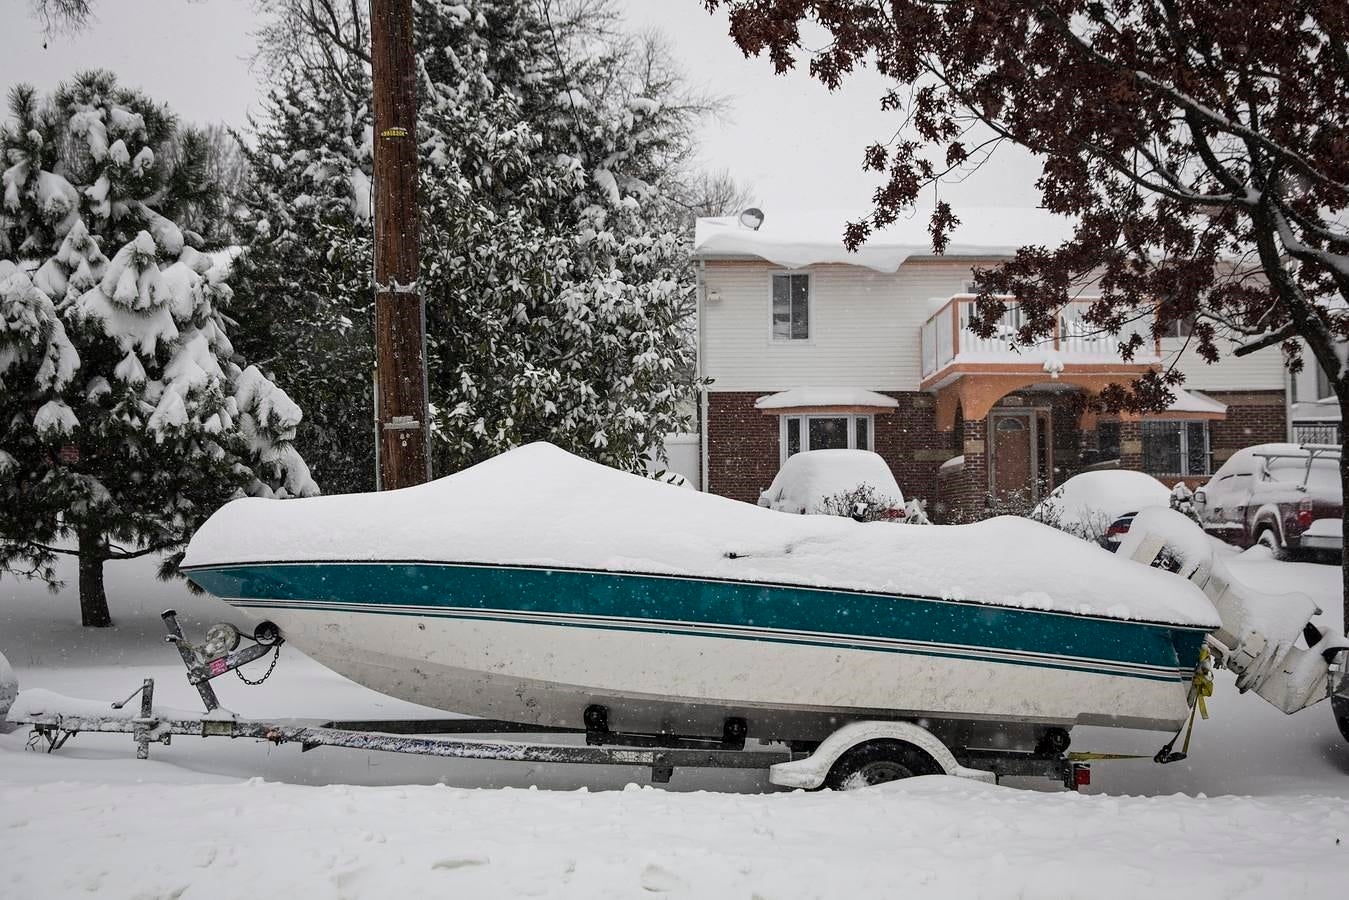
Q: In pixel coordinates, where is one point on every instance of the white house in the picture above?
(810, 346)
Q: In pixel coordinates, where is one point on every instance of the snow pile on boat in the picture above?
(541, 506)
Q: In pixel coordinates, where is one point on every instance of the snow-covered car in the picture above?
(1099, 506)
(1284, 496)
(818, 481)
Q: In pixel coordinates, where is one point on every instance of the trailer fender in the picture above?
(809, 773)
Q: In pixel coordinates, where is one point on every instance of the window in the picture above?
(1176, 448)
(791, 307)
(825, 432)
(1178, 328)
(1323, 388)
(1107, 440)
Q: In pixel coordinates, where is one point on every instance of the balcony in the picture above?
(952, 350)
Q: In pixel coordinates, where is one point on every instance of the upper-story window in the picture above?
(791, 307)
(1179, 328)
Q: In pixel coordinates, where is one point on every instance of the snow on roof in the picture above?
(825, 396)
(796, 239)
(1324, 410)
(1195, 402)
(541, 506)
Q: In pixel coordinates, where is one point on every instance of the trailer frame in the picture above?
(51, 728)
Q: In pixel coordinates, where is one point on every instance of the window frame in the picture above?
(805, 418)
(1183, 425)
(773, 339)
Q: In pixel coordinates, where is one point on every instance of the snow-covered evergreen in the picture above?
(302, 285)
(128, 416)
(554, 257)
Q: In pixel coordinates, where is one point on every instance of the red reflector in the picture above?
(1081, 776)
(1304, 518)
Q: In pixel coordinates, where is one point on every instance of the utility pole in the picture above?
(400, 312)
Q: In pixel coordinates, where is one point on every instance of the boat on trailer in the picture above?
(543, 589)
(541, 594)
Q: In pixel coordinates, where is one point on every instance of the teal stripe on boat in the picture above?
(648, 600)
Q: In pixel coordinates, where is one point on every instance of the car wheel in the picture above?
(879, 762)
(1267, 538)
(1340, 707)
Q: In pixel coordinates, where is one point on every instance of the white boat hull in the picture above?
(547, 674)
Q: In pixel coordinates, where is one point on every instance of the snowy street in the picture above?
(1258, 810)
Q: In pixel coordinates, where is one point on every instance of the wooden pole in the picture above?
(400, 313)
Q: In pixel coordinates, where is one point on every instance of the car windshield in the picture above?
(1325, 473)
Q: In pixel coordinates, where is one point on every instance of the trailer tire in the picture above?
(1340, 707)
(879, 762)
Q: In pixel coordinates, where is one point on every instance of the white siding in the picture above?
(1261, 371)
(863, 332)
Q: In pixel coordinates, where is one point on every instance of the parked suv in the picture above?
(1284, 496)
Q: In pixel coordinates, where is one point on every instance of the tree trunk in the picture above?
(93, 600)
(1344, 492)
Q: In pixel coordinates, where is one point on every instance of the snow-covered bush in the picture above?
(128, 418)
(863, 503)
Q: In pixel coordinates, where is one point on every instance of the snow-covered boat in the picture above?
(537, 586)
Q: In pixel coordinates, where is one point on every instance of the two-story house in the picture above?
(809, 346)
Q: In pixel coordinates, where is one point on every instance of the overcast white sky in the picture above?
(796, 145)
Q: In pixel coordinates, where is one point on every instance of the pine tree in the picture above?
(554, 256)
(147, 422)
(302, 283)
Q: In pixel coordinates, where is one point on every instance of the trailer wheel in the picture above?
(879, 762)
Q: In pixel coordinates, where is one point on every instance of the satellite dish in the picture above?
(752, 218)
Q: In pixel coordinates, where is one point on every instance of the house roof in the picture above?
(797, 239)
(1195, 402)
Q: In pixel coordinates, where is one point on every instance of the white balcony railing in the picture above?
(948, 339)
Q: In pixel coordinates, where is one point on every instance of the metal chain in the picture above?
(276, 655)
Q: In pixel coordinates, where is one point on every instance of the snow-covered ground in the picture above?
(1261, 809)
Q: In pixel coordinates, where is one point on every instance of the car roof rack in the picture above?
(1309, 452)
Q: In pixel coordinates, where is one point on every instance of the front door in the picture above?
(1013, 457)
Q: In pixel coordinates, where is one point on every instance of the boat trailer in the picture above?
(53, 720)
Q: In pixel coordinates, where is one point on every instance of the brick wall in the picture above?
(743, 451)
(1253, 417)
(964, 491)
(742, 446)
(908, 440)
